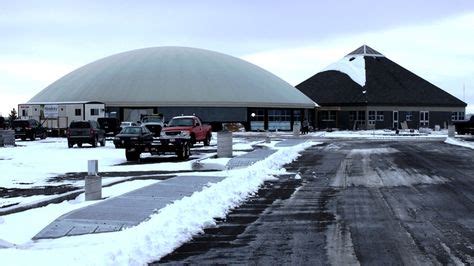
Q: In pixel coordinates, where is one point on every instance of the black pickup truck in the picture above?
(465, 127)
(139, 139)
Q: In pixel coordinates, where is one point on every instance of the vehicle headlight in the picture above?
(185, 133)
(117, 138)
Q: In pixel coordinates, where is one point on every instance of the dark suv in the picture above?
(28, 129)
(110, 125)
(80, 132)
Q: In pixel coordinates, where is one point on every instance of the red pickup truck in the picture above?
(189, 126)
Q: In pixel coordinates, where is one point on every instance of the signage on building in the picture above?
(51, 111)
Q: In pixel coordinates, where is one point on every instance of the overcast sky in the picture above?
(44, 40)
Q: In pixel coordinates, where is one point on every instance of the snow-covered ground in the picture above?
(150, 240)
(384, 134)
(460, 142)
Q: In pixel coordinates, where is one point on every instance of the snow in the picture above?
(354, 68)
(459, 142)
(154, 238)
(35, 161)
(385, 134)
(43, 216)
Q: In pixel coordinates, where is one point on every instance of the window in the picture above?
(372, 115)
(457, 116)
(380, 116)
(424, 118)
(94, 111)
(24, 112)
(279, 119)
(409, 116)
(257, 118)
(328, 115)
(78, 112)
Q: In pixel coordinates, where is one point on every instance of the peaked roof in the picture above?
(386, 84)
(365, 50)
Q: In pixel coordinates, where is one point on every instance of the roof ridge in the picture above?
(365, 50)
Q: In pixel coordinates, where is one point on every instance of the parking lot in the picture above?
(358, 202)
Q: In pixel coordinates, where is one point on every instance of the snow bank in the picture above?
(461, 143)
(164, 231)
(354, 68)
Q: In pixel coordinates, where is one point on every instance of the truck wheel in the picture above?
(132, 155)
(79, 144)
(33, 136)
(187, 151)
(69, 145)
(182, 151)
(102, 143)
(192, 141)
(44, 135)
(23, 138)
(207, 140)
(94, 142)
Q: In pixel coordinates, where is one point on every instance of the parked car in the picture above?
(111, 126)
(133, 135)
(189, 125)
(465, 127)
(154, 123)
(80, 132)
(127, 124)
(29, 128)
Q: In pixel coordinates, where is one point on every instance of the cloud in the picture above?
(35, 70)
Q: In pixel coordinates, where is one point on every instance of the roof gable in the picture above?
(386, 83)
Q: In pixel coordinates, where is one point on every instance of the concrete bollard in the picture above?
(296, 129)
(8, 137)
(93, 182)
(224, 144)
(451, 130)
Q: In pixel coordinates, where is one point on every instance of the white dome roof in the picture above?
(174, 76)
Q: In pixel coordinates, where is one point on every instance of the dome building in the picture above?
(180, 80)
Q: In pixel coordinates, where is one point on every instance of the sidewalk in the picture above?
(134, 207)
(126, 210)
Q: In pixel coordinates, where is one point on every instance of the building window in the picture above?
(328, 115)
(257, 118)
(409, 116)
(372, 116)
(78, 112)
(94, 111)
(457, 116)
(279, 119)
(380, 116)
(424, 118)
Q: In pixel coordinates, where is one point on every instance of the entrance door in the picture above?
(395, 119)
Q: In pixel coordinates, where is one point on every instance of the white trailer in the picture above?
(57, 116)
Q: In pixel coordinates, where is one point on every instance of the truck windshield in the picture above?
(181, 122)
(80, 125)
(149, 119)
(132, 130)
(20, 123)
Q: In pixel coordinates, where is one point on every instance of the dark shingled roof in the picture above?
(387, 84)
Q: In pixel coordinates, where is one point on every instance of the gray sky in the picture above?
(44, 40)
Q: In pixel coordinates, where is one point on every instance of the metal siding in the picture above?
(207, 114)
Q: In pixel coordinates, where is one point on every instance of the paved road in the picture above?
(370, 203)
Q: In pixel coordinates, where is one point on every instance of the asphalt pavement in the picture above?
(358, 202)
